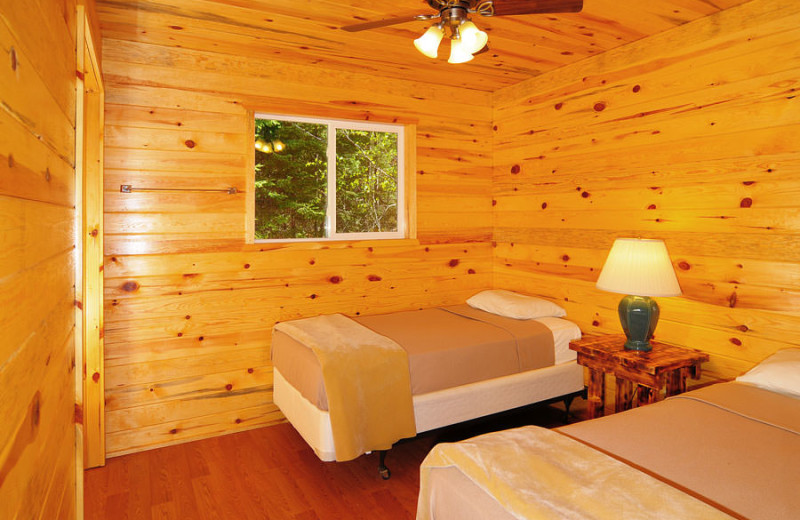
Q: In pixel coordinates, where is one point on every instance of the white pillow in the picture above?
(779, 373)
(514, 305)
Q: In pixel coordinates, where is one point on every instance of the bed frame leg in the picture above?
(382, 469)
(567, 403)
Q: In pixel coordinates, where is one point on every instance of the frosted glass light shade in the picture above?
(472, 38)
(639, 267)
(428, 43)
(459, 53)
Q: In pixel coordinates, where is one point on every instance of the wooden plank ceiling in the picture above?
(309, 32)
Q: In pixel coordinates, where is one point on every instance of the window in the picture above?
(317, 179)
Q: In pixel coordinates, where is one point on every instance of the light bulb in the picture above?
(428, 43)
(472, 38)
(278, 146)
(459, 52)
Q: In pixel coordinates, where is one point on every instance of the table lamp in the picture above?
(639, 268)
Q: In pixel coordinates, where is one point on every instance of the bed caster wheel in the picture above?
(382, 469)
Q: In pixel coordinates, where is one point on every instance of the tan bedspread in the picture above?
(734, 445)
(446, 347)
(536, 473)
(367, 381)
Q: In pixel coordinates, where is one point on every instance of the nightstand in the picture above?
(645, 372)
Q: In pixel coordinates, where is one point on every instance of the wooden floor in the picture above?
(271, 473)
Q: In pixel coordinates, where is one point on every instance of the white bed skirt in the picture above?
(437, 409)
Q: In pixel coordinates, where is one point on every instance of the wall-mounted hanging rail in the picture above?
(127, 188)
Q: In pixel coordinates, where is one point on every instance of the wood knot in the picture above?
(515, 169)
(565, 258)
(558, 106)
(190, 144)
(586, 194)
(454, 262)
(94, 233)
(746, 202)
(374, 278)
(470, 271)
(12, 53)
(229, 387)
(10, 160)
(335, 279)
(748, 183)
(130, 286)
(636, 88)
(544, 205)
(247, 266)
(173, 431)
(683, 265)
(176, 27)
(313, 296)
(35, 410)
(250, 370)
(743, 328)
(312, 262)
(595, 323)
(599, 107)
(651, 206)
(732, 300)
(494, 202)
(736, 341)
(96, 377)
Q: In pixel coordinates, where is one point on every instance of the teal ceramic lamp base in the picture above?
(639, 316)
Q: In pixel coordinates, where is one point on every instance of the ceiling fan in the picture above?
(453, 15)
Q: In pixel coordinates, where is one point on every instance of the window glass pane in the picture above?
(291, 179)
(366, 181)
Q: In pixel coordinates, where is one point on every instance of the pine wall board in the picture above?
(189, 303)
(37, 260)
(689, 136)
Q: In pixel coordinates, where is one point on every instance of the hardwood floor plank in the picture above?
(271, 474)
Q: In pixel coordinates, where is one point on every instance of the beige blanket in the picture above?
(541, 474)
(366, 379)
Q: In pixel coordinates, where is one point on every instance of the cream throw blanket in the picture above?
(366, 380)
(536, 473)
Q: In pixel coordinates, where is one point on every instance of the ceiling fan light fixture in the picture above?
(472, 38)
(459, 52)
(428, 43)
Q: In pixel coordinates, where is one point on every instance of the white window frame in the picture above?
(330, 211)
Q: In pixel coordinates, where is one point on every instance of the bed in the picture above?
(729, 450)
(463, 362)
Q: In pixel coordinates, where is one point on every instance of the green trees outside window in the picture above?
(327, 179)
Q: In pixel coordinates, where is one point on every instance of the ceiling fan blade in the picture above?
(385, 23)
(483, 49)
(513, 7)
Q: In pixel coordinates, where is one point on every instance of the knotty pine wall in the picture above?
(189, 304)
(37, 259)
(689, 136)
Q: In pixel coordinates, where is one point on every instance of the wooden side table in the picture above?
(649, 371)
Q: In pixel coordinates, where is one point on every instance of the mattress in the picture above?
(447, 347)
(733, 446)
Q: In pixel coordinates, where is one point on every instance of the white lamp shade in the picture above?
(639, 267)
(428, 43)
(459, 53)
(473, 38)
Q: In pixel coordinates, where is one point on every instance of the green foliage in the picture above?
(291, 186)
(366, 181)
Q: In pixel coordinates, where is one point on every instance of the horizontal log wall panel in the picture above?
(37, 260)
(189, 304)
(685, 136)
